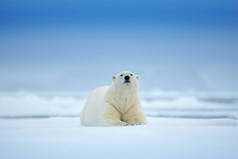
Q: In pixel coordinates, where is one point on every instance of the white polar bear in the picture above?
(115, 105)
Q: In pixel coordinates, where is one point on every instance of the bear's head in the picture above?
(126, 80)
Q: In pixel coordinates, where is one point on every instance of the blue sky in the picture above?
(66, 45)
(123, 12)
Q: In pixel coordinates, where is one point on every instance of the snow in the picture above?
(46, 125)
(65, 138)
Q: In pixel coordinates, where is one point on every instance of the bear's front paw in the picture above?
(124, 124)
(136, 122)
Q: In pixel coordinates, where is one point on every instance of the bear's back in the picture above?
(93, 107)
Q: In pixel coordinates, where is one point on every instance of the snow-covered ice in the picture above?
(188, 125)
(65, 138)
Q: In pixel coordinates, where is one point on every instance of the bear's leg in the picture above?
(135, 116)
(113, 118)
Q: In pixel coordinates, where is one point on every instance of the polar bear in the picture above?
(115, 105)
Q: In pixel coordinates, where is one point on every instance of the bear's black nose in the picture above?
(127, 78)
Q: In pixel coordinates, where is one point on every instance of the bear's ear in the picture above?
(137, 77)
(113, 77)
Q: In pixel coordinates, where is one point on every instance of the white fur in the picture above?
(115, 105)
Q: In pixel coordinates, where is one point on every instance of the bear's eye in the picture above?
(121, 75)
(131, 74)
